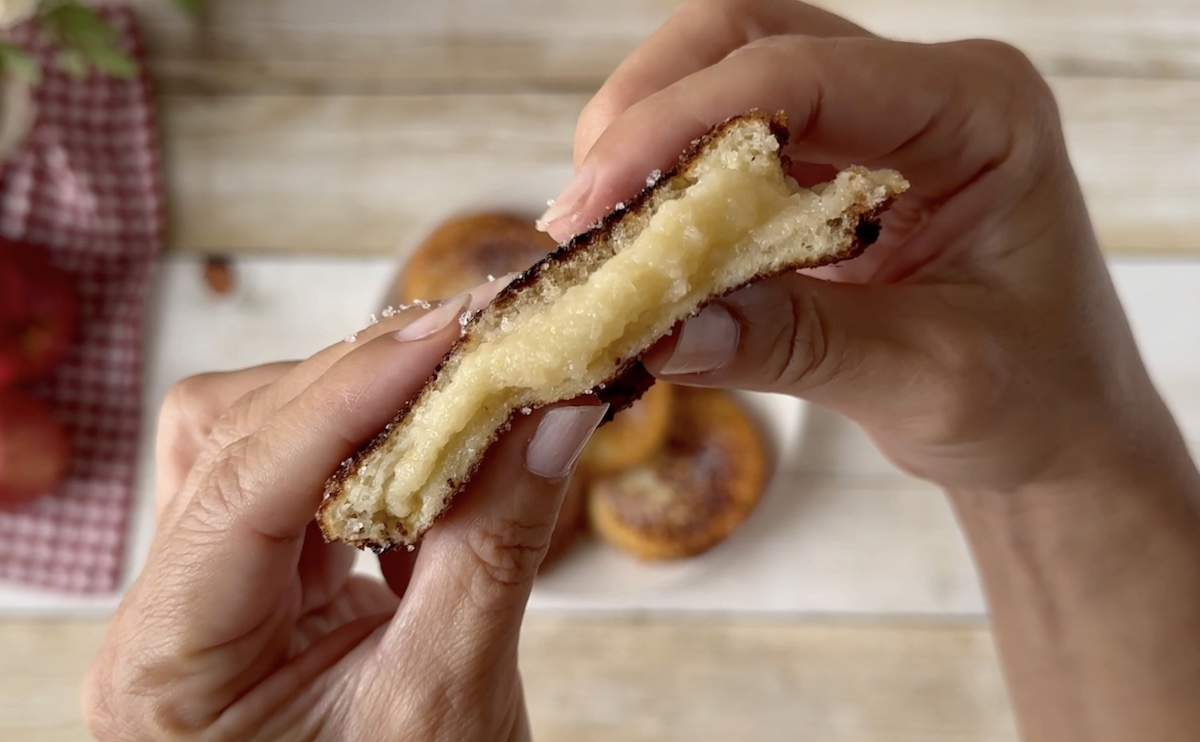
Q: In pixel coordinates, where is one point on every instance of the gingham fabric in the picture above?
(86, 185)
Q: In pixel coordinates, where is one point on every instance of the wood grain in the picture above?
(382, 46)
(359, 174)
(661, 679)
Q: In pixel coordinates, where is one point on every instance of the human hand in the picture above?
(980, 342)
(245, 625)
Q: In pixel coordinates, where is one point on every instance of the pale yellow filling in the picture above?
(663, 265)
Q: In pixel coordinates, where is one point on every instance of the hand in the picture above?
(980, 343)
(245, 625)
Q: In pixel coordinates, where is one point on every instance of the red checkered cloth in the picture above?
(86, 184)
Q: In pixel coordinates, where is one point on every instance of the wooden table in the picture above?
(348, 128)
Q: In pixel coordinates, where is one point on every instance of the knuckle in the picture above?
(226, 480)
(186, 410)
(186, 395)
(1023, 89)
(235, 422)
(1003, 91)
(505, 554)
(802, 346)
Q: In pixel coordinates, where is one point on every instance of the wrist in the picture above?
(1139, 452)
(1103, 496)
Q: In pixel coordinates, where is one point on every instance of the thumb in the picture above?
(867, 351)
(475, 568)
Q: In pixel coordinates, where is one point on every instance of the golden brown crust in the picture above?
(630, 379)
(690, 496)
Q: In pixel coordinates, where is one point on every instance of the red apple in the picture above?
(34, 449)
(38, 313)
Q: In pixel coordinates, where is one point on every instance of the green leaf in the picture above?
(191, 7)
(71, 62)
(14, 61)
(86, 38)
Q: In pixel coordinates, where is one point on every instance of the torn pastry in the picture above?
(577, 321)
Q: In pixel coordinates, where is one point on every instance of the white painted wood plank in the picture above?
(371, 173)
(855, 537)
(377, 45)
(651, 679)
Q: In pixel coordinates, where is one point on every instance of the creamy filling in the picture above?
(684, 245)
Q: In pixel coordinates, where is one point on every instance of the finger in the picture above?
(188, 413)
(261, 403)
(300, 377)
(825, 342)
(475, 299)
(476, 567)
(238, 534)
(699, 34)
(864, 100)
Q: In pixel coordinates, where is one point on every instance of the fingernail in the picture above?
(569, 201)
(560, 438)
(482, 295)
(706, 342)
(434, 320)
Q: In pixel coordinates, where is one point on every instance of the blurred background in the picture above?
(209, 185)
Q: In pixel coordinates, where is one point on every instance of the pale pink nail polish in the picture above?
(434, 320)
(569, 201)
(706, 342)
(560, 438)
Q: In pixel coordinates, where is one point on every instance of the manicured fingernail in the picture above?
(560, 438)
(482, 295)
(706, 342)
(569, 202)
(434, 320)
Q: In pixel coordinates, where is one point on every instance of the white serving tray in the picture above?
(839, 531)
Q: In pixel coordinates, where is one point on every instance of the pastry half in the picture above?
(577, 321)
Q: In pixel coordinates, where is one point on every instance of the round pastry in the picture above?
(632, 436)
(464, 251)
(694, 491)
